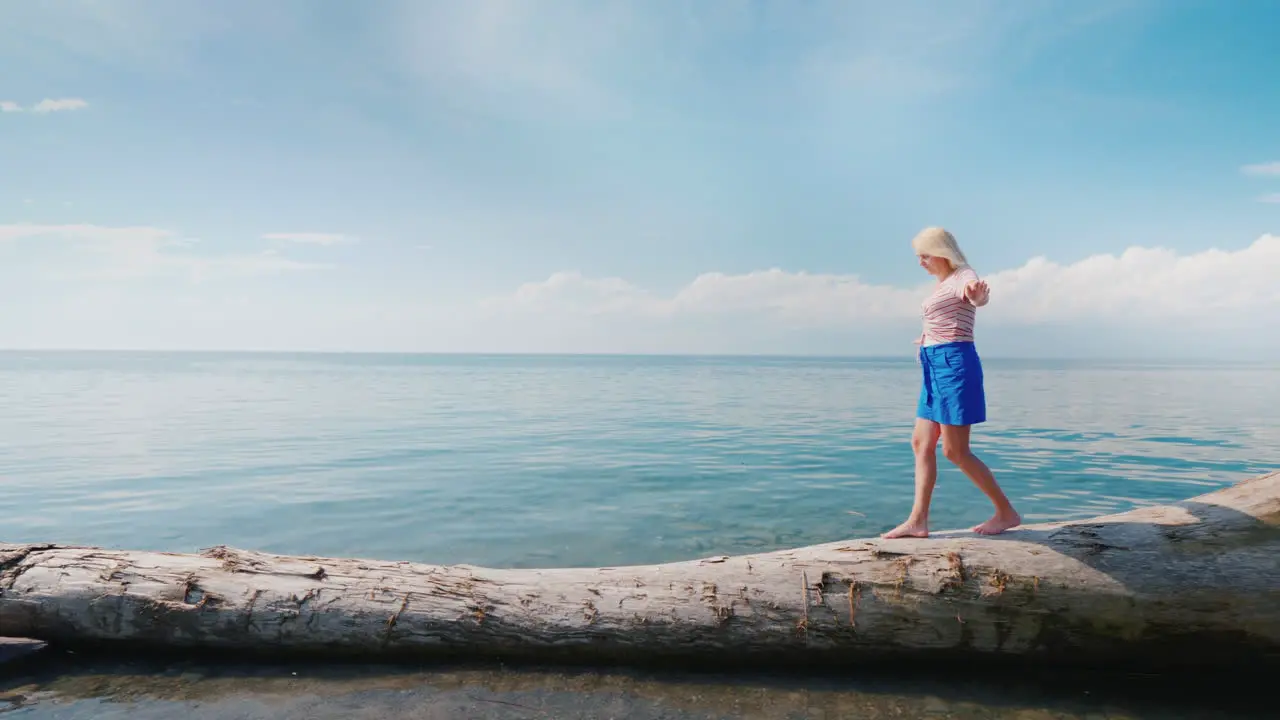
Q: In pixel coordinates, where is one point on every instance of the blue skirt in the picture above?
(951, 392)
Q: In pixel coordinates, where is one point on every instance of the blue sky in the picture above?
(633, 176)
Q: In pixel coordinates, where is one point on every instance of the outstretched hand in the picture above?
(977, 292)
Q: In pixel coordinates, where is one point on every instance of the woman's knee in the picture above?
(924, 443)
(955, 452)
(955, 443)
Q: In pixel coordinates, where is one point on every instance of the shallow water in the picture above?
(70, 689)
(538, 461)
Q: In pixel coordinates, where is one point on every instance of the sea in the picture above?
(546, 461)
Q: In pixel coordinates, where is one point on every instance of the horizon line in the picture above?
(604, 354)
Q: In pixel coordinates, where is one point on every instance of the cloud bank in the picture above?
(95, 289)
(1150, 295)
(1140, 283)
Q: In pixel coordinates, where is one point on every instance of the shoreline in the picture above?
(76, 686)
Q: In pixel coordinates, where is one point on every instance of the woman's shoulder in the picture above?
(964, 276)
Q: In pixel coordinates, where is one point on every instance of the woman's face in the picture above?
(936, 266)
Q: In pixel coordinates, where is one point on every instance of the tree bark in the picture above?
(1196, 582)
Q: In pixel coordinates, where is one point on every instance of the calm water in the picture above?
(122, 689)
(538, 461)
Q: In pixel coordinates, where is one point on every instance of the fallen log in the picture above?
(1195, 582)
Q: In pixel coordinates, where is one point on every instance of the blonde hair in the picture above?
(938, 242)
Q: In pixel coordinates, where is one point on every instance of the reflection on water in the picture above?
(521, 461)
(70, 689)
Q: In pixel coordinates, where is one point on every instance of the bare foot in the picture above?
(908, 529)
(998, 524)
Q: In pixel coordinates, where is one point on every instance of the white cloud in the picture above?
(310, 238)
(1265, 169)
(45, 106)
(571, 292)
(1151, 285)
(60, 105)
(138, 251)
(1151, 289)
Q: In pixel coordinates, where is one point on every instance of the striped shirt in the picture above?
(948, 317)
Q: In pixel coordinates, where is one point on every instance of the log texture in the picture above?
(1196, 582)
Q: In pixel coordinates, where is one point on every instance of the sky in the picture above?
(728, 176)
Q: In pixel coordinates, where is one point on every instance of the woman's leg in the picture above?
(955, 447)
(924, 443)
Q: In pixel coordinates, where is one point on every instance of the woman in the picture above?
(951, 396)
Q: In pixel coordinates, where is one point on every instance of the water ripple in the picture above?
(528, 461)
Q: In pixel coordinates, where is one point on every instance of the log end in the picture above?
(15, 648)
